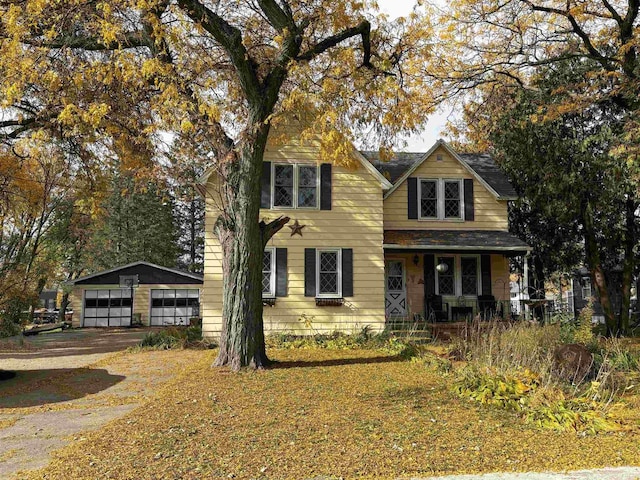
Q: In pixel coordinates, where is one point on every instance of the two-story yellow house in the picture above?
(424, 235)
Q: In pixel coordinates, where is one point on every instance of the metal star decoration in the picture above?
(296, 228)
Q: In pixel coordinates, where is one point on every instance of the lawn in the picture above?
(325, 413)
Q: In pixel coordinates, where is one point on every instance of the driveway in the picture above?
(67, 349)
(71, 382)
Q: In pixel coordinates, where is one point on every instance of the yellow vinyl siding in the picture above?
(354, 221)
(500, 277)
(141, 299)
(490, 214)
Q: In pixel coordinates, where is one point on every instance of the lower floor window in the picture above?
(269, 272)
(328, 266)
(458, 275)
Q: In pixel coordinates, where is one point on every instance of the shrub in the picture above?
(365, 338)
(175, 337)
(13, 316)
(584, 328)
(160, 340)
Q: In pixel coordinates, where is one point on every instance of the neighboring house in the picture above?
(583, 290)
(420, 233)
(48, 298)
(158, 296)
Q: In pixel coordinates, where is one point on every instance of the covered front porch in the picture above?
(448, 276)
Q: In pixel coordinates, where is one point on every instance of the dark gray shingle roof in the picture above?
(485, 240)
(486, 167)
(481, 163)
(394, 168)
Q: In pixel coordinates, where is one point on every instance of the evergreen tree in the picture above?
(138, 225)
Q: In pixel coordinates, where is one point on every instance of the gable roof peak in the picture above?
(481, 166)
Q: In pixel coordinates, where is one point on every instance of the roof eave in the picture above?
(121, 267)
(406, 174)
(455, 247)
(386, 184)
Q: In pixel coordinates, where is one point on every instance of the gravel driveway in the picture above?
(71, 382)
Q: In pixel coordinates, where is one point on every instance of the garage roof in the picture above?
(148, 273)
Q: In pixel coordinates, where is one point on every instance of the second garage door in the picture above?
(174, 306)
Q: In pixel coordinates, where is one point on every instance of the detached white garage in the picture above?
(156, 295)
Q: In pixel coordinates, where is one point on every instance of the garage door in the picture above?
(107, 308)
(174, 306)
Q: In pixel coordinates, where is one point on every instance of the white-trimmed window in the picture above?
(440, 199)
(461, 277)
(269, 272)
(586, 288)
(295, 186)
(329, 273)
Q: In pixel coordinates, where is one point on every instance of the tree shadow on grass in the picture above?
(30, 388)
(335, 362)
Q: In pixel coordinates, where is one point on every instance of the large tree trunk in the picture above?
(598, 278)
(242, 337)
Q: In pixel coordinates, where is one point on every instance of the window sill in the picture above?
(269, 301)
(329, 302)
(288, 209)
(448, 220)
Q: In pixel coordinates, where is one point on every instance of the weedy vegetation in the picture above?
(558, 375)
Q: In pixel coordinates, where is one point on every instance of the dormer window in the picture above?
(440, 199)
(295, 186)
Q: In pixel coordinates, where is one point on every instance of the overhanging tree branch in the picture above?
(363, 29)
(578, 30)
(230, 38)
(129, 40)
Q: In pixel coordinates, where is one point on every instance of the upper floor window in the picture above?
(440, 199)
(295, 186)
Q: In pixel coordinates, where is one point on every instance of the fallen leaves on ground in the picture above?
(349, 414)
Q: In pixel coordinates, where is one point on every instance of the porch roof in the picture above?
(455, 240)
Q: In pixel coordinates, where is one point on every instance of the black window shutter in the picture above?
(469, 213)
(429, 274)
(347, 272)
(412, 200)
(309, 272)
(485, 268)
(281, 272)
(325, 186)
(265, 193)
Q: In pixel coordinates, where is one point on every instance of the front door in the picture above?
(395, 291)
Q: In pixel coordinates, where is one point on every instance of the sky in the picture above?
(437, 123)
